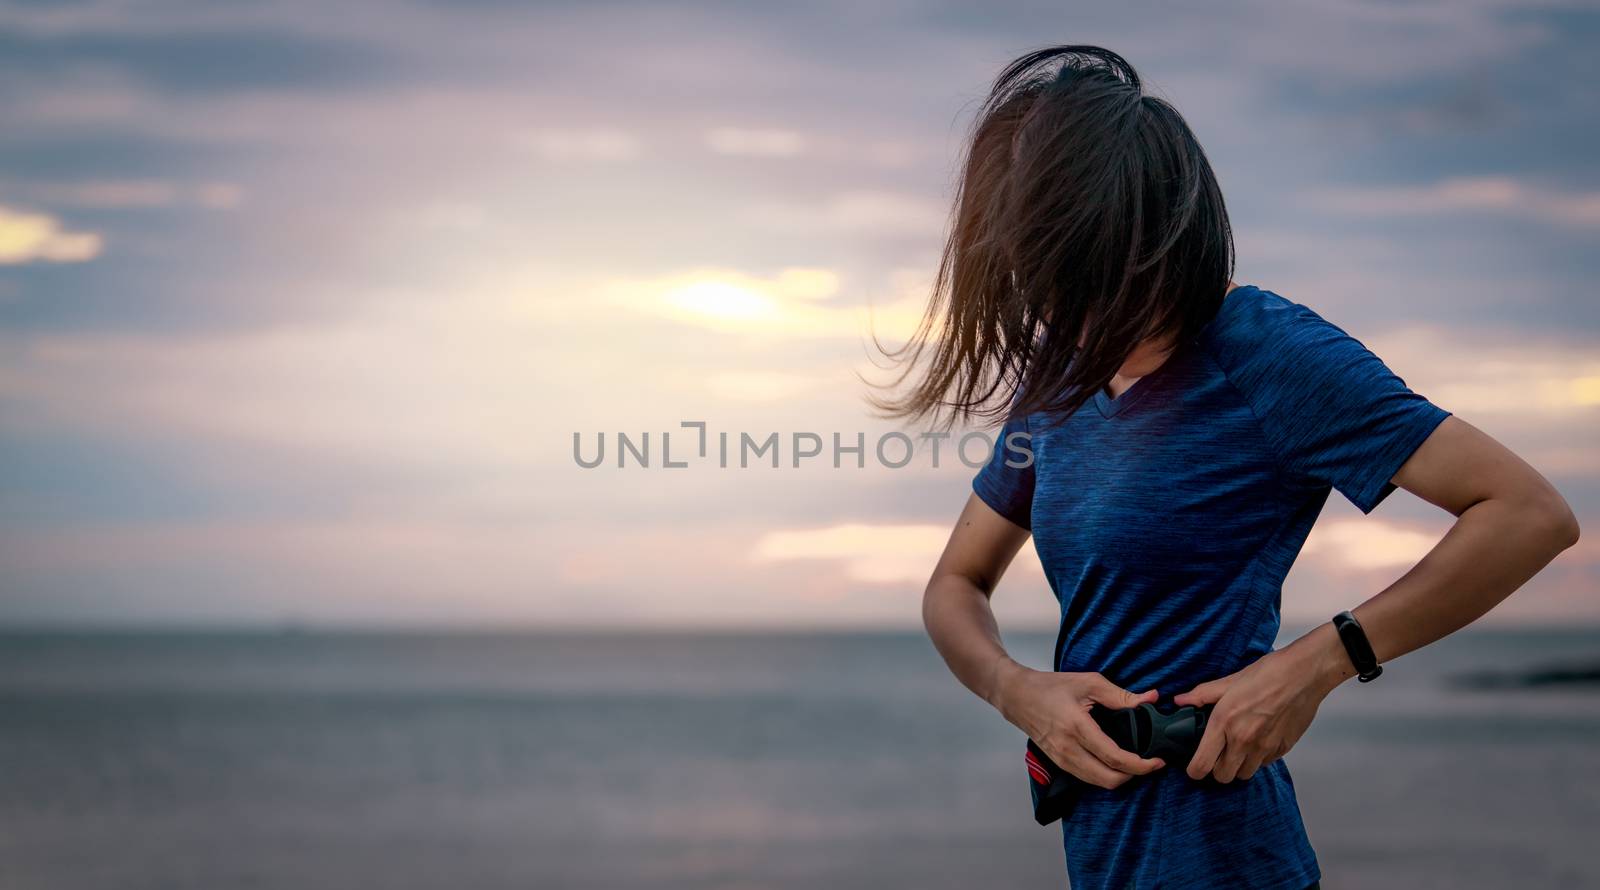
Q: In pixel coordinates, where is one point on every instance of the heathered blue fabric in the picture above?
(1166, 520)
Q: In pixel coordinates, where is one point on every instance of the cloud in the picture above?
(363, 567)
(407, 387)
(120, 194)
(795, 303)
(37, 237)
(867, 212)
(476, 384)
(1539, 393)
(1347, 560)
(755, 143)
(1368, 544)
(761, 386)
(871, 554)
(203, 61)
(1523, 390)
(1500, 195)
(1486, 372)
(470, 235)
(1482, 371)
(597, 145)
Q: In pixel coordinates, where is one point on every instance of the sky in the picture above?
(302, 304)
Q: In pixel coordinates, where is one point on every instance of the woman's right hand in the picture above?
(1053, 709)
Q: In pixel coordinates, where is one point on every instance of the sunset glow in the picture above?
(309, 342)
(721, 300)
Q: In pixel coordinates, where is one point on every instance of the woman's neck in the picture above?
(1146, 358)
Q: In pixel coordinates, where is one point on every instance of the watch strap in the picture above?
(1357, 647)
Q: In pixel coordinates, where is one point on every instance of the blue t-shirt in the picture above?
(1166, 520)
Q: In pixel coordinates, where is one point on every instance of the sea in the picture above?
(311, 760)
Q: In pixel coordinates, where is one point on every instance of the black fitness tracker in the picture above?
(1357, 647)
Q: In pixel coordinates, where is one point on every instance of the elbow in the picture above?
(948, 590)
(1559, 522)
(1569, 530)
(930, 598)
(1540, 515)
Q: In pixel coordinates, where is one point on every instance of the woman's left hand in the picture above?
(1261, 711)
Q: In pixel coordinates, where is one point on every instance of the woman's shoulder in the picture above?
(1251, 310)
(1256, 325)
(1268, 346)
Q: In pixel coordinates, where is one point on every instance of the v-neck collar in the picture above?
(1110, 407)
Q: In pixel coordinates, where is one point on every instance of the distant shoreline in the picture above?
(529, 630)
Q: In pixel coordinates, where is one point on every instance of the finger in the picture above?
(1251, 764)
(1205, 755)
(1228, 764)
(1205, 694)
(1088, 768)
(1111, 695)
(1107, 752)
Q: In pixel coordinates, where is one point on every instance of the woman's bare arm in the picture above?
(1510, 523)
(955, 607)
(1052, 708)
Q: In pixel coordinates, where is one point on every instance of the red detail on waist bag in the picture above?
(1036, 770)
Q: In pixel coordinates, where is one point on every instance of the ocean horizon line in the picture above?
(391, 629)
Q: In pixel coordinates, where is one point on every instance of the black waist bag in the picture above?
(1145, 731)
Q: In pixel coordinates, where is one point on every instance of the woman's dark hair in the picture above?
(1086, 209)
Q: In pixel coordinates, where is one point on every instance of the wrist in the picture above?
(1004, 677)
(1328, 662)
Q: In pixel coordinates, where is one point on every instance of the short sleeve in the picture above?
(1334, 411)
(1005, 483)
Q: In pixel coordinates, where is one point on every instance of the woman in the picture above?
(1170, 438)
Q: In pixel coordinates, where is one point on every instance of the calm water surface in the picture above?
(666, 761)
